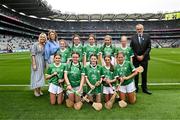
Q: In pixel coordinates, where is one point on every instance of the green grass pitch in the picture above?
(19, 102)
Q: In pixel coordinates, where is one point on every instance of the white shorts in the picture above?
(75, 89)
(128, 88)
(55, 89)
(108, 90)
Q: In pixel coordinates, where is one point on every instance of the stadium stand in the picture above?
(19, 31)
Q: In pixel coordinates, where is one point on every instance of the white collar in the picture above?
(92, 45)
(122, 63)
(107, 67)
(62, 50)
(77, 45)
(93, 67)
(75, 64)
(57, 65)
(108, 45)
(123, 47)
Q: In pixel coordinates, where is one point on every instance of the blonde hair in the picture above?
(108, 36)
(42, 34)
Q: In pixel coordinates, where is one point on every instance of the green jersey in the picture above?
(94, 74)
(89, 50)
(59, 69)
(78, 49)
(74, 72)
(124, 69)
(107, 50)
(65, 54)
(128, 52)
(108, 74)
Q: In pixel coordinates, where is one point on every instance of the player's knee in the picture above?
(133, 101)
(52, 102)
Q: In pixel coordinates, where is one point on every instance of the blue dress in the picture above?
(51, 47)
(37, 76)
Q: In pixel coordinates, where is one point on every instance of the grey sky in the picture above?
(115, 6)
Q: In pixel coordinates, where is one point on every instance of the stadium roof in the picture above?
(41, 9)
(37, 8)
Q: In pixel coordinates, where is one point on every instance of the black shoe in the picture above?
(147, 92)
(136, 90)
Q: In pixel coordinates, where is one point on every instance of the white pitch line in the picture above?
(166, 60)
(151, 84)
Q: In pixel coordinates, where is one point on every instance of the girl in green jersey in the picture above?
(89, 49)
(74, 78)
(126, 71)
(107, 49)
(55, 75)
(93, 75)
(109, 81)
(77, 47)
(64, 51)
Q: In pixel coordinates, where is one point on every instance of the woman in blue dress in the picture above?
(38, 65)
(51, 46)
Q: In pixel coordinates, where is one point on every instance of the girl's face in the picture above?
(76, 40)
(42, 39)
(52, 36)
(91, 40)
(57, 59)
(75, 58)
(123, 41)
(62, 44)
(93, 60)
(107, 41)
(107, 60)
(120, 58)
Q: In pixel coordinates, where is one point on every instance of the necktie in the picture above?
(140, 39)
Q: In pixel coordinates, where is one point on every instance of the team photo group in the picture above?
(99, 75)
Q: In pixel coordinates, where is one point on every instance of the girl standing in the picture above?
(77, 47)
(64, 51)
(90, 49)
(107, 49)
(128, 52)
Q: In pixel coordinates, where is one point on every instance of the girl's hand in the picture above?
(55, 73)
(108, 81)
(69, 87)
(61, 80)
(121, 80)
(92, 86)
(125, 78)
(97, 83)
(34, 67)
(78, 91)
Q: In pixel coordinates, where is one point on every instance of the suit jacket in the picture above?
(141, 49)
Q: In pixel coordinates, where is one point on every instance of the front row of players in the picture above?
(80, 84)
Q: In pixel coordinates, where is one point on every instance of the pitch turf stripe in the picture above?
(152, 84)
(16, 58)
(166, 60)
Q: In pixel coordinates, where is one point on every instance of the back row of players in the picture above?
(79, 68)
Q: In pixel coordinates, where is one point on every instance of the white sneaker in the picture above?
(41, 93)
(36, 94)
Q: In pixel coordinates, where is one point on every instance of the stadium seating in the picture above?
(23, 28)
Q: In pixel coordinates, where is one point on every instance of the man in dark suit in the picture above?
(141, 45)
